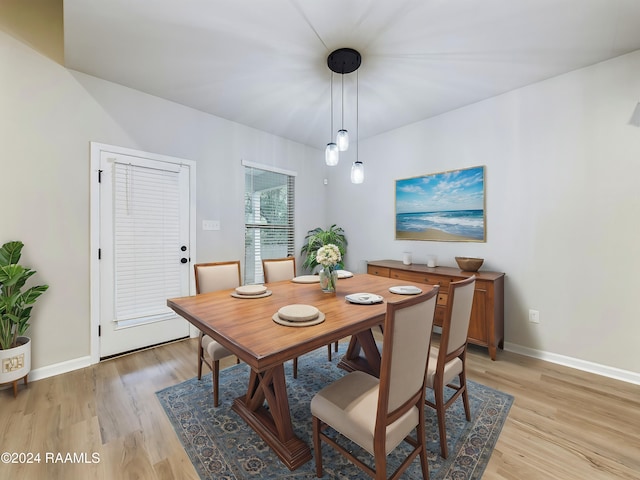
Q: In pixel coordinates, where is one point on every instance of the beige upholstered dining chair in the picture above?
(448, 360)
(378, 414)
(211, 277)
(277, 270)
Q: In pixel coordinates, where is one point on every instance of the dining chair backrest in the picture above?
(407, 339)
(397, 396)
(460, 302)
(278, 269)
(448, 361)
(214, 276)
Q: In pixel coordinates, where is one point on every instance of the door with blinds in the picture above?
(145, 250)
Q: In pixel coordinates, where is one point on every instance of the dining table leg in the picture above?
(272, 422)
(363, 342)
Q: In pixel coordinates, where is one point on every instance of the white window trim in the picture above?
(269, 168)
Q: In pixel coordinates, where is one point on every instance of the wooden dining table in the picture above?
(245, 326)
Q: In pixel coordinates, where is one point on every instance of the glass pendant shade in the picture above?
(342, 140)
(331, 155)
(357, 172)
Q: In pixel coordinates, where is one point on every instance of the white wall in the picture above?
(562, 197)
(562, 201)
(48, 117)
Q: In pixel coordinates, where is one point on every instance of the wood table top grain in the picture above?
(246, 327)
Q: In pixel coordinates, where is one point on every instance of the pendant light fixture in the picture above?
(357, 169)
(331, 154)
(357, 172)
(345, 61)
(342, 139)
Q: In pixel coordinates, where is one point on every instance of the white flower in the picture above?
(328, 255)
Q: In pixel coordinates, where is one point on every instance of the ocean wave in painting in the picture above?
(465, 223)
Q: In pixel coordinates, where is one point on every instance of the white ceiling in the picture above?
(262, 63)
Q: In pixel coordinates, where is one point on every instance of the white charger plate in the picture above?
(262, 295)
(306, 279)
(405, 290)
(298, 313)
(344, 274)
(251, 290)
(288, 323)
(364, 298)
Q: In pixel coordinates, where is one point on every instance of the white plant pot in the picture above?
(15, 363)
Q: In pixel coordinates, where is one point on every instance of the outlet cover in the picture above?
(534, 316)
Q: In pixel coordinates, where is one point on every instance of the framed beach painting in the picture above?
(444, 207)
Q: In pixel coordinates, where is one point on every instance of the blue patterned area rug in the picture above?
(222, 446)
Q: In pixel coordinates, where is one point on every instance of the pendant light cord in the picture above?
(331, 89)
(342, 102)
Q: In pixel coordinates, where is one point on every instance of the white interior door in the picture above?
(145, 250)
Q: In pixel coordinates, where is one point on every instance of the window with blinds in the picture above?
(146, 238)
(269, 206)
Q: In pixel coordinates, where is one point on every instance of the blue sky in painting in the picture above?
(456, 190)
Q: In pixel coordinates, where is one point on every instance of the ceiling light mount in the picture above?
(344, 60)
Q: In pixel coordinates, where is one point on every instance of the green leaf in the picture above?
(30, 296)
(10, 275)
(10, 253)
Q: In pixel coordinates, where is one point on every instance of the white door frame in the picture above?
(96, 151)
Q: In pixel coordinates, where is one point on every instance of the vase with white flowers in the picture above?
(328, 256)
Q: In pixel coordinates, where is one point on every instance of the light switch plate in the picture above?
(211, 225)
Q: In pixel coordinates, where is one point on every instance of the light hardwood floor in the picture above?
(564, 424)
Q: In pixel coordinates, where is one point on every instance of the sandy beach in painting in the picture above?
(450, 225)
(433, 234)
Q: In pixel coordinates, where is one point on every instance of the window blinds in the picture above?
(146, 242)
(269, 219)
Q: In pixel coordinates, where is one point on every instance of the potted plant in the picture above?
(15, 311)
(317, 238)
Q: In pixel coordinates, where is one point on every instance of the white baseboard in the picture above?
(611, 372)
(75, 364)
(58, 368)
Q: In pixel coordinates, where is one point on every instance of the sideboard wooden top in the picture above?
(417, 267)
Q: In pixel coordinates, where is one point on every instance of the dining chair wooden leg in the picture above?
(381, 467)
(317, 448)
(440, 412)
(216, 381)
(295, 367)
(200, 354)
(421, 433)
(329, 350)
(465, 396)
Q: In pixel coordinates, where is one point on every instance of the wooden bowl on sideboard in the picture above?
(469, 264)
